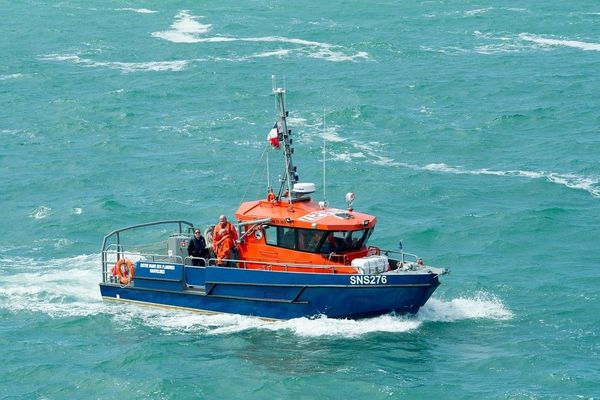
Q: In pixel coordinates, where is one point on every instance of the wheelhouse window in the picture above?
(317, 241)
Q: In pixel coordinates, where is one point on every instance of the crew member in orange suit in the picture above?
(224, 239)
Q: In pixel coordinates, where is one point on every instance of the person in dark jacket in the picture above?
(197, 248)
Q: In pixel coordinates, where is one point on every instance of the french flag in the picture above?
(273, 137)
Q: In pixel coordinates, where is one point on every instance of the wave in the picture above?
(371, 152)
(493, 44)
(589, 184)
(560, 42)
(296, 121)
(11, 76)
(510, 43)
(275, 53)
(478, 11)
(186, 29)
(475, 12)
(138, 10)
(330, 134)
(346, 157)
(343, 149)
(177, 65)
(40, 212)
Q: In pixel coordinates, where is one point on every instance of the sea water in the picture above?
(470, 129)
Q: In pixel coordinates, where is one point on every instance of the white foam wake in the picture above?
(187, 29)
(59, 288)
(481, 306)
(560, 42)
(177, 65)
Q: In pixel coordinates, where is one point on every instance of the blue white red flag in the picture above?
(273, 137)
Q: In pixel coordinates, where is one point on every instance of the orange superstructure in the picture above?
(298, 230)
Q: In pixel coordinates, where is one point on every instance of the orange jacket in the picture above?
(224, 251)
(219, 234)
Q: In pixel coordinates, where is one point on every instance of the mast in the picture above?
(290, 177)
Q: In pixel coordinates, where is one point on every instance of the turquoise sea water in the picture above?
(471, 129)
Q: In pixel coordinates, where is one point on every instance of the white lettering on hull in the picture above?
(368, 280)
(159, 269)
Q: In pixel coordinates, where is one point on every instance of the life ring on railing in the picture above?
(271, 196)
(125, 270)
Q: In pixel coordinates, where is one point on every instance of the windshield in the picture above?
(317, 241)
(340, 241)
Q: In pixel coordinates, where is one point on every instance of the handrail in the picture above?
(213, 262)
(150, 257)
(254, 223)
(191, 258)
(171, 221)
(143, 257)
(401, 253)
(117, 232)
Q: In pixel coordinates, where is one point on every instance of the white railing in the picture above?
(115, 252)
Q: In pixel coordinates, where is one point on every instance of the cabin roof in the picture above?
(304, 214)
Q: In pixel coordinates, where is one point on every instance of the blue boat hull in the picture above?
(279, 295)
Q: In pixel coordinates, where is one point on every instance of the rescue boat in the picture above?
(292, 257)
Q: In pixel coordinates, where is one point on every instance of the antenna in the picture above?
(268, 173)
(324, 141)
(274, 86)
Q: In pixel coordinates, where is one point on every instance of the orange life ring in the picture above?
(125, 270)
(271, 196)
